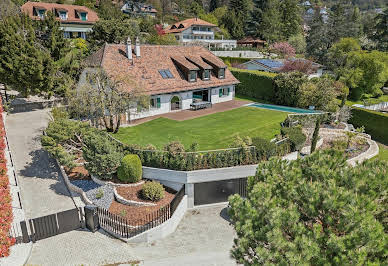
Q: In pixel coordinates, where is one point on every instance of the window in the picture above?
(66, 34)
(83, 16)
(206, 74)
(166, 74)
(223, 92)
(63, 15)
(41, 13)
(155, 103)
(193, 76)
(221, 73)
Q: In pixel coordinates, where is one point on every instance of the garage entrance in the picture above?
(218, 191)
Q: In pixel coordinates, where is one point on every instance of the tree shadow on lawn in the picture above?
(44, 167)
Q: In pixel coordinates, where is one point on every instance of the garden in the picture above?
(6, 215)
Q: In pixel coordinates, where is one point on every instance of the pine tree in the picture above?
(315, 135)
(354, 24)
(291, 18)
(271, 25)
(24, 66)
(317, 38)
(381, 33)
(256, 18)
(213, 5)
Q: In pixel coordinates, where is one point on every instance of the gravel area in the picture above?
(93, 191)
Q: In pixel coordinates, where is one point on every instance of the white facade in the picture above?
(186, 98)
(203, 35)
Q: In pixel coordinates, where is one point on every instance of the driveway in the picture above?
(204, 237)
(43, 191)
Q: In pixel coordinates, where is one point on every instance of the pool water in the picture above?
(284, 108)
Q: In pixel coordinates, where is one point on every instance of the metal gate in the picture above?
(218, 191)
(47, 226)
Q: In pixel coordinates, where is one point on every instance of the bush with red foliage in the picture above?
(300, 65)
(284, 49)
(5, 196)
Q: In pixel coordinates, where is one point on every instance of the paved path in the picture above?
(43, 191)
(204, 237)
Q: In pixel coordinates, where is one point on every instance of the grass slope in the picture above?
(383, 152)
(215, 131)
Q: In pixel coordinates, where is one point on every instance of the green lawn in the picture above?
(383, 152)
(383, 98)
(215, 131)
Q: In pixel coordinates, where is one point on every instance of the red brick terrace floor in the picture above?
(189, 114)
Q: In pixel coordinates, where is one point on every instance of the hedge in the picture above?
(254, 83)
(375, 123)
(230, 61)
(6, 216)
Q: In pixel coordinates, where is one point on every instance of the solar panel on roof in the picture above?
(270, 63)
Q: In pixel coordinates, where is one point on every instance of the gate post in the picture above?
(91, 218)
(26, 237)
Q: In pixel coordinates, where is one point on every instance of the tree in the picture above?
(318, 92)
(8, 9)
(298, 41)
(315, 135)
(312, 211)
(381, 31)
(283, 49)
(291, 17)
(354, 24)
(286, 87)
(271, 26)
(19, 51)
(235, 20)
(338, 54)
(108, 10)
(337, 22)
(113, 31)
(317, 38)
(213, 5)
(303, 66)
(105, 100)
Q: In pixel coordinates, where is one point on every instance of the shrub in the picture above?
(256, 84)
(295, 135)
(287, 86)
(130, 170)
(264, 148)
(339, 144)
(174, 147)
(102, 155)
(153, 191)
(374, 123)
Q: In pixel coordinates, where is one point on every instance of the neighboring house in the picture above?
(251, 42)
(138, 9)
(195, 31)
(173, 76)
(275, 66)
(76, 21)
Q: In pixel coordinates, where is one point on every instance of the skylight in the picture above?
(166, 74)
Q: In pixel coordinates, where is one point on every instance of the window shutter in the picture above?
(228, 91)
(220, 93)
(158, 102)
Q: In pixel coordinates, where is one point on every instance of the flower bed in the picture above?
(6, 216)
(357, 147)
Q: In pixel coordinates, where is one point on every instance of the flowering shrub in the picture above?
(5, 197)
(284, 49)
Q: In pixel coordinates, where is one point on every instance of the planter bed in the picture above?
(357, 149)
(136, 214)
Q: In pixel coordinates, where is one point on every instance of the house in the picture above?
(251, 42)
(275, 66)
(138, 9)
(76, 21)
(173, 76)
(195, 31)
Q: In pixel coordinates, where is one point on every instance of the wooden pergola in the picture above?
(252, 42)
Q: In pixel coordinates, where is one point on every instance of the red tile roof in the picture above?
(144, 72)
(187, 24)
(92, 16)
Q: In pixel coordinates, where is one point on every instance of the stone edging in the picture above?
(370, 153)
(108, 183)
(73, 187)
(130, 202)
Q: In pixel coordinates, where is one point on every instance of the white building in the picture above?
(195, 31)
(174, 77)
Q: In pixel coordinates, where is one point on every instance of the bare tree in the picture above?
(103, 100)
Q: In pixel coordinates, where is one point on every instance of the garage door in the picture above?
(218, 191)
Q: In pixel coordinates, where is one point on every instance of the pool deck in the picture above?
(190, 114)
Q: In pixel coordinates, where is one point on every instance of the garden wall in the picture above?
(375, 123)
(256, 84)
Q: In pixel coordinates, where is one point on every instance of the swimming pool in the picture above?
(284, 108)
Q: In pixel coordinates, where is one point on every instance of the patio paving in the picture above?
(189, 114)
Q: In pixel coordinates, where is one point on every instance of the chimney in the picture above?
(137, 47)
(129, 48)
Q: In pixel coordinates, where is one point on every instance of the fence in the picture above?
(126, 229)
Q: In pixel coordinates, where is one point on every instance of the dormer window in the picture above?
(84, 16)
(62, 15)
(180, 26)
(206, 74)
(41, 13)
(221, 73)
(192, 76)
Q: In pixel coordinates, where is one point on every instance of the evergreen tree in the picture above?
(24, 65)
(381, 32)
(355, 25)
(291, 18)
(235, 20)
(271, 26)
(213, 5)
(256, 18)
(317, 38)
(337, 23)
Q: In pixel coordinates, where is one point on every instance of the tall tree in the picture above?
(271, 26)
(256, 18)
(235, 20)
(354, 24)
(313, 211)
(214, 4)
(337, 22)
(291, 18)
(24, 65)
(381, 32)
(317, 38)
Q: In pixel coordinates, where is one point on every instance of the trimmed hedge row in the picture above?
(254, 83)
(375, 123)
(230, 61)
(6, 216)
